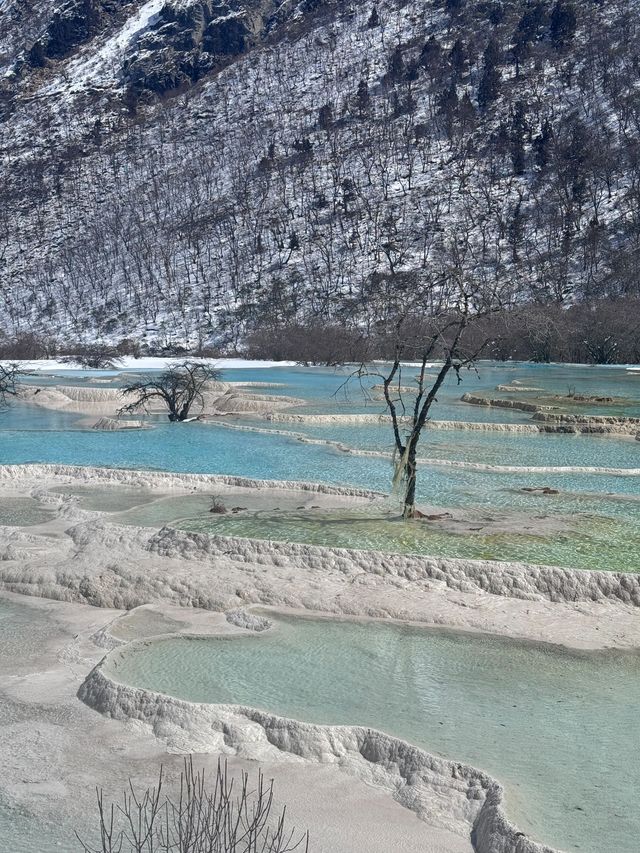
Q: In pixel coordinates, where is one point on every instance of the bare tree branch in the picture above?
(179, 388)
(225, 819)
(9, 382)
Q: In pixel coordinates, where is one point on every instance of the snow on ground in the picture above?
(93, 66)
(151, 363)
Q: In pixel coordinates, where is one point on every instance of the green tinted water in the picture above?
(602, 510)
(593, 543)
(586, 540)
(22, 832)
(24, 512)
(560, 730)
(107, 498)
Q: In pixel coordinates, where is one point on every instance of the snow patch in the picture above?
(107, 60)
(149, 363)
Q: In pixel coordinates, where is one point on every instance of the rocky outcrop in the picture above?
(587, 424)
(586, 398)
(71, 25)
(111, 425)
(607, 420)
(191, 38)
(239, 403)
(516, 388)
(246, 619)
(520, 405)
(76, 398)
(80, 394)
(180, 43)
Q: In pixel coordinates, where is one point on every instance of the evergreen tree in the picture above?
(396, 64)
(458, 57)
(363, 98)
(562, 24)
(489, 87)
(454, 7)
(492, 53)
(448, 105)
(531, 23)
(325, 117)
(542, 143)
(518, 132)
(37, 55)
(348, 194)
(293, 244)
(431, 54)
(519, 51)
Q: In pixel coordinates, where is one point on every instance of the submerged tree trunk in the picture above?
(409, 509)
(178, 388)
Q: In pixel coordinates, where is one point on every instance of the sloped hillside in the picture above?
(186, 171)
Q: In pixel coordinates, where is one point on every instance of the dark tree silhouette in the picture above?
(180, 387)
(562, 23)
(363, 99)
(96, 356)
(9, 382)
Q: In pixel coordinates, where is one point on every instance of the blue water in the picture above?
(196, 447)
(560, 730)
(32, 434)
(493, 448)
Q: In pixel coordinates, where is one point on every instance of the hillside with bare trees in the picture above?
(186, 173)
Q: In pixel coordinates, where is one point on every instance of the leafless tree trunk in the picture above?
(179, 388)
(429, 320)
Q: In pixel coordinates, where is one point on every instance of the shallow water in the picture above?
(24, 512)
(591, 531)
(488, 448)
(23, 832)
(107, 498)
(596, 543)
(559, 730)
(604, 508)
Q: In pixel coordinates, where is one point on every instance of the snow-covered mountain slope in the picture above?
(187, 169)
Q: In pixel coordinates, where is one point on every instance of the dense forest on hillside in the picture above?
(193, 174)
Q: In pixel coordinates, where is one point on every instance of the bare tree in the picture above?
(95, 356)
(9, 382)
(434, 318)
(180, 387)
(224, 819)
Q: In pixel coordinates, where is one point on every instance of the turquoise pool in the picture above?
(604, 509)
(560, 730)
